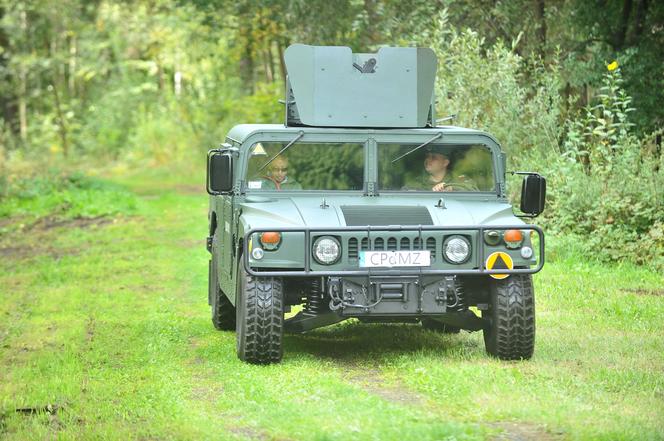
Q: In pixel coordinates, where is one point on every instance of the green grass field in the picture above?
(105, 334)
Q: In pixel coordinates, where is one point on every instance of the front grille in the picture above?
(356, 244)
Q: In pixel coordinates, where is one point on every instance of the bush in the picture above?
(605, 183)
(607, 186)
(61, 195)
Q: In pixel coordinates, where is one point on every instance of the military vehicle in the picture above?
(361, 206)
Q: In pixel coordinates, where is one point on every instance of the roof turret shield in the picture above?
(330, 86)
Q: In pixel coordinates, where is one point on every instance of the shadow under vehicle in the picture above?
(361, 206)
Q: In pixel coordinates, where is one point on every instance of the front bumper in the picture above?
(475, 265)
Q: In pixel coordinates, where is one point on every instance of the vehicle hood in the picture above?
(339, 211)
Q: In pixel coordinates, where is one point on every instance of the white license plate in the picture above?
(389, 259)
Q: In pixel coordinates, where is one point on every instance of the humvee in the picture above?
(362, 206)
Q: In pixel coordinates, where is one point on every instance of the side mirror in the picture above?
(533, 194)
(219, 172)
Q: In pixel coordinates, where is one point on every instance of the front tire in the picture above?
(510, 334)
(260, 318)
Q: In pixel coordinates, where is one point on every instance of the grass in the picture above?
(105, 334)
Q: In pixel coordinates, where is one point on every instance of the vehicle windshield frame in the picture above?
(371, 140)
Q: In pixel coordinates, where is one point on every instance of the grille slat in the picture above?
(431, 246)
(352, 248)
(357, 244)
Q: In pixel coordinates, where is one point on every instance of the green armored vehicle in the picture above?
(360, 206)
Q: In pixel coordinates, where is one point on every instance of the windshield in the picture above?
(435, 167)
(306, 166)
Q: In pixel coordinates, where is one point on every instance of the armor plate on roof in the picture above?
(330, 86)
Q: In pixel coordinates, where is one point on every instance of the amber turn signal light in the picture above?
(270, 240)
(513, 236)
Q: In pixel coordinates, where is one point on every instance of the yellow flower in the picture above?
(613, 66)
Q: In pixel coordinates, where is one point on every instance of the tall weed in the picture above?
(607, 186)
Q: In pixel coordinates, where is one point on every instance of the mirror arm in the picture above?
(527, 173)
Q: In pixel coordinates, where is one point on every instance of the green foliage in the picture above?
(100, 84)
(58, 196)
(491, 87)
(607, 187)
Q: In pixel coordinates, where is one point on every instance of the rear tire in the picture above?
(223, 311)
(510, 334)
(260, 318)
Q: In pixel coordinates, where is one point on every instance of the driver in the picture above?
(440, 178)
(277, 176)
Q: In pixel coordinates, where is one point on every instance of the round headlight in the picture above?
(326, 250)
(456, 249)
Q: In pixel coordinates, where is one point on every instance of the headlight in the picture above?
(456, 249)
(326, 250)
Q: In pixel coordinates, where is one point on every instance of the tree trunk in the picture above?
(71, 79)
(61, 121)
(541, 27)
(7, 95)
(23, 89)
(282, 64)
(641, 13)
(266, 66)
(619, 36)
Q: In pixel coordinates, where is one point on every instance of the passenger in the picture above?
(277, 176)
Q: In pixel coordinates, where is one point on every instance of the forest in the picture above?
(107, 111)
(570, 88)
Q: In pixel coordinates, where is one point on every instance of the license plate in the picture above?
(389, 259)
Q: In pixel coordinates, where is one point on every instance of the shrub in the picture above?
(607, 186)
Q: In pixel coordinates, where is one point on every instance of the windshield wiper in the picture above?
(439, 135)
(296, 139)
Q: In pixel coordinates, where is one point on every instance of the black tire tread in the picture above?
(511, 335)
(223, 311)
(223, 316)
(262, 321)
